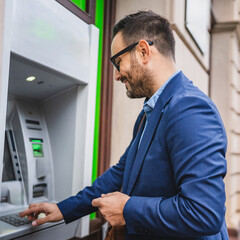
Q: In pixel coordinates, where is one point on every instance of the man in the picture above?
(169, 182)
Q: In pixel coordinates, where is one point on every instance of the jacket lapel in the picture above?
(131, 156)
(153, 122)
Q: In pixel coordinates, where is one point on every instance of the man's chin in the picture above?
(131, 94)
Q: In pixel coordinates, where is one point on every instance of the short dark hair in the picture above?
(149, 26)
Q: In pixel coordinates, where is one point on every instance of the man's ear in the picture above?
(144, 52)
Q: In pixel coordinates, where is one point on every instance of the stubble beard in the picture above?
(140, 81)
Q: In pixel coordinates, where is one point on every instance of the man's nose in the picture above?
(117, 75)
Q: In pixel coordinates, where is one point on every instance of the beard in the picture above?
(139, 79)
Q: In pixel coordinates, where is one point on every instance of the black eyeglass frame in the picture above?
(130, 47)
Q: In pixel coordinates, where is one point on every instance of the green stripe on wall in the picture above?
(80, 3)
(99, 24)
(99, 18)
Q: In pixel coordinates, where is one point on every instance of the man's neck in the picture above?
(163, 74)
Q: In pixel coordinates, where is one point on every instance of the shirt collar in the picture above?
(149, 104)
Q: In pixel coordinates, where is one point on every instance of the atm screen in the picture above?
(37, 147)
(8, 172)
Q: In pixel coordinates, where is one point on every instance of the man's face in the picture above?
(136, 77)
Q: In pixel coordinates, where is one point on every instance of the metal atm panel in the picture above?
(35, 157)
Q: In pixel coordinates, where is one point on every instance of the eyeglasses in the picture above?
(112, 59)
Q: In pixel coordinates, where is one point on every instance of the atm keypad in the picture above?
(15, 220)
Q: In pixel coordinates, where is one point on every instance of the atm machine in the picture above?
(48, 135)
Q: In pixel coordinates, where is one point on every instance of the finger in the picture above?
(116, 193)
(96, 202)
(100, 210)
(29, 211)
(23, 213)
(33, 215)
(104, 195)
(33, 205)
(41, 221)
(32, 218)
(26, 213)
(110, 194)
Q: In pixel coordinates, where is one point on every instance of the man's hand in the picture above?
(111, 206)
(51, 210)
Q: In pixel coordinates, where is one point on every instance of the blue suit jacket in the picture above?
(175, 177)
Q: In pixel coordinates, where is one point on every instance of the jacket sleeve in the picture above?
(196, 145)
(80, 205)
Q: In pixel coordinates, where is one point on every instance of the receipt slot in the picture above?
(50, 111)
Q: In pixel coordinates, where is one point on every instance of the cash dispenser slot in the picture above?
(4, 199)
(4, 195)
(39, 189)
(33, 124)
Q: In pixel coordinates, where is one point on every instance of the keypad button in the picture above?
(15, 220)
